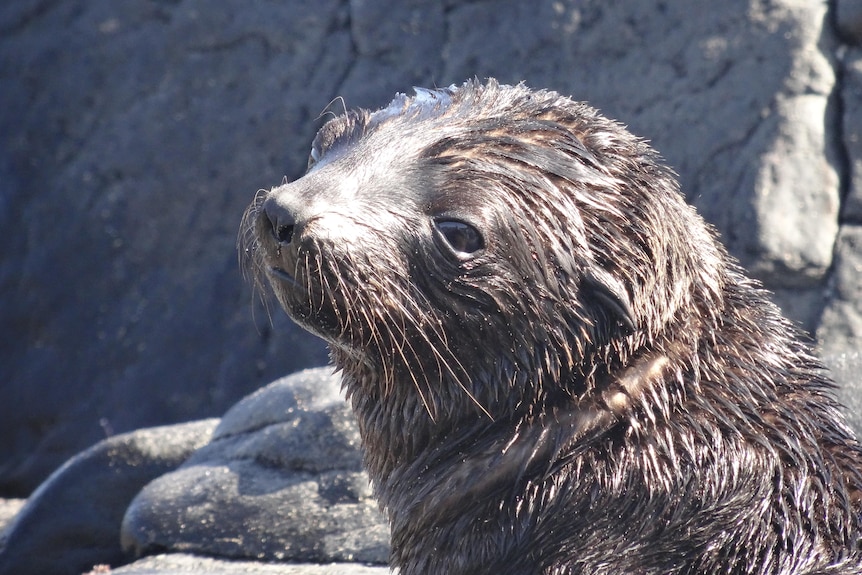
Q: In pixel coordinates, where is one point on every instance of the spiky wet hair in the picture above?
(581, 264)
(555, 365)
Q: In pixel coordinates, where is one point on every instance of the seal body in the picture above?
(555, 365)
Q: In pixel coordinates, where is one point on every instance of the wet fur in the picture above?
(600, 389)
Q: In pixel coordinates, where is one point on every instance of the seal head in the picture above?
(555, 366)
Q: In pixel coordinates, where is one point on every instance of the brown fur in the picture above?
(555, 366)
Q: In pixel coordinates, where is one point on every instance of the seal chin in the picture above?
(319, 315)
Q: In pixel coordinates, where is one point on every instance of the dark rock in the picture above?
(397, 45)
(840, 328)
(282, 480)
(72, 521)
(279, 478)
(134, 135)
(851, 97)
(848, 18)
(845, 369)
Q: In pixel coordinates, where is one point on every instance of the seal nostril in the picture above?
(279, 219)
(283, 234)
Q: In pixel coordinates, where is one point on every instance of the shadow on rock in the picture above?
(72, 521)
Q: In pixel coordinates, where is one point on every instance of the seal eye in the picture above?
(461, 238)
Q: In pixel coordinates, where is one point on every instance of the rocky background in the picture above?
(133, 134)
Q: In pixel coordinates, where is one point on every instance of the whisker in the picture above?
(436, 348)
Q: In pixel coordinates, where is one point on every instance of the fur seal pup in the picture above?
(555, 366)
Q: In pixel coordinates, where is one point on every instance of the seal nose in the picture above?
(280, 218)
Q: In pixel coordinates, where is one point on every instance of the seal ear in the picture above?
(611, 294)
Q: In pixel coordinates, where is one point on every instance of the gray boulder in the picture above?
(281, 480)
(851, 126)
(185, 564)
(840, 326)
(72, 521)
(845, 369)
(278, 479)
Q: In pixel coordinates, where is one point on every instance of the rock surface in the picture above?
(278, 479)
(840, 326)
(281, 480)
(133, 136)
(72, 521)
(848, 19)
(184, 564)
(845, 369)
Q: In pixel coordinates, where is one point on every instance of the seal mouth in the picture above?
(281, 274)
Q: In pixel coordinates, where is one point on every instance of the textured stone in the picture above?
(72, 521)
(851, 96)
(848, 18)
(184, 564)
(397, 45)
(845, 369)
(796, 198)
(841, 325)
(134, 134)
(281, 480)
